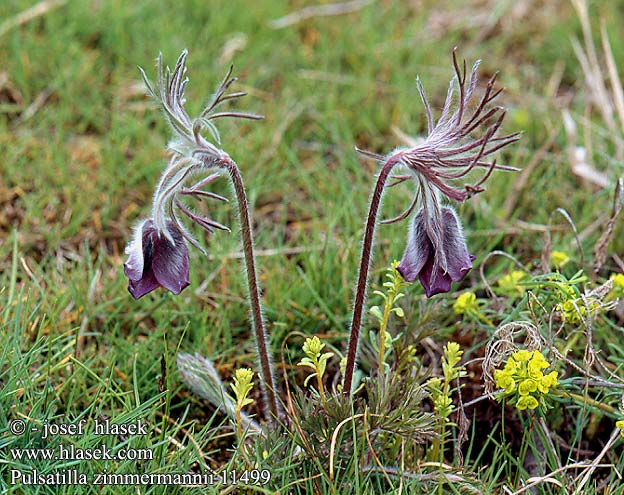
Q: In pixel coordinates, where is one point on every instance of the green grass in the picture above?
(78, 170)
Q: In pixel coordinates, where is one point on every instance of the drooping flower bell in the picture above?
(436, 251)
(154, 261)
(158, 255)
(435, 267)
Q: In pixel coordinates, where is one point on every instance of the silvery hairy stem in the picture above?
(365, 262)
(260, 333)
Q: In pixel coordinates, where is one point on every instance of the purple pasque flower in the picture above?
(436, 268)
(436, 251)
(158, 254)
(154, 261)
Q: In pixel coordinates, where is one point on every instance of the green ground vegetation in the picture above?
(82, 148)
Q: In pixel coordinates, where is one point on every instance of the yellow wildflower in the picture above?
(574, 311)
(523, 379)
(547, 381)
(312, 347)
(512, 366)
(618, 285)
(620, 424)
(522, 355)
(242, 386)
(527, 386)
(527, 402)
(536, 364)
(539, 359)
(466, 303)
(559, 259)
(504, 380)
(509, 283)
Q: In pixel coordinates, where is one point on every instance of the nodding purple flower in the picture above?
(158, 254)
(436, 269)
(154, 261)
(436, 251)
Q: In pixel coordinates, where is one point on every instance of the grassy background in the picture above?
(82, 149)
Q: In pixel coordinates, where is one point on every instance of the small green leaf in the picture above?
(399, 312)
(307, 362)
(323, 362)
(376, 312)
(305, 382)
(379, 293)
(372, 337)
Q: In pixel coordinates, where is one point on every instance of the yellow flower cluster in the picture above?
(466, 303)
(509, 284)
(242, 386)
(523, 377)
(559, 259)
(620, 424)
(575, 310)
(618, 285)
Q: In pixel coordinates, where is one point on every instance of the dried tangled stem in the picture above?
(503, 344)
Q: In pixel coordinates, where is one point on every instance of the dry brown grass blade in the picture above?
(580, 156)
(319, 11)
(463, 425)
(600, 249)
(614, 77)
(602, 80)
(588, 59)
(535, 481)
(615, 436)
(29, 14)
(334, 438)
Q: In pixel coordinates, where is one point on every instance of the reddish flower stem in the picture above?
(262, 344)
(365, 261)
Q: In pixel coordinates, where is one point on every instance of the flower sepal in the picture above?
(436, 252)
(155, 261)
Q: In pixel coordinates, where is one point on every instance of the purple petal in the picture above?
(133, 267)
(170, 263)
(441, 282)
(147, 283)
(153, 261)
(458, 260)
(418, 250)
(436, 268)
